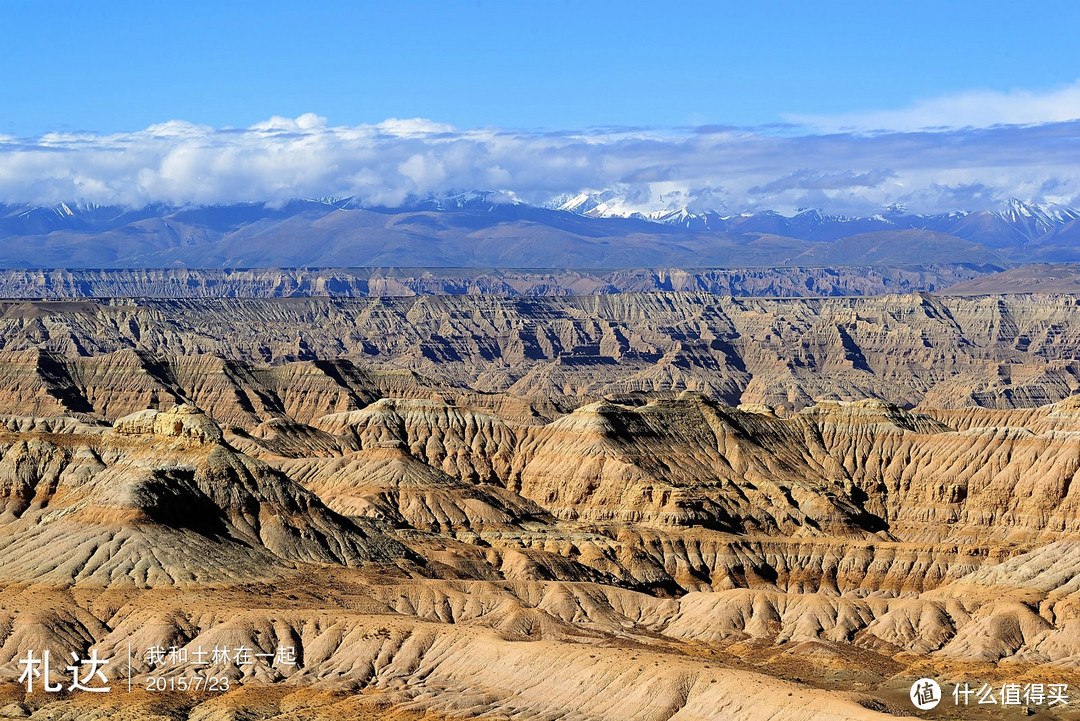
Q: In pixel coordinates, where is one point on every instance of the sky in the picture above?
(848, 106)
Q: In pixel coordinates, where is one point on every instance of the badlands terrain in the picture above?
(783, 281)
(649, 506)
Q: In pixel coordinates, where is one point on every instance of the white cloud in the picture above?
(412, 127)
(969, 109)
(277, 124)
(181, 163)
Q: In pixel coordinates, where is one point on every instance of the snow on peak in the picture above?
(1034, 220)
(597, 205)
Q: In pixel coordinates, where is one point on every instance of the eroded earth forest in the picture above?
(648, 506)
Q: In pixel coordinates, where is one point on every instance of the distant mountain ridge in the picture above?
(1014, 223)
(495, 230)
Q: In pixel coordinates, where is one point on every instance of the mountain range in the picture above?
(1013, 223)
(490, 229)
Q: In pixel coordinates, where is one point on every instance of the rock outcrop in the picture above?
(184, 422)
(160, 501)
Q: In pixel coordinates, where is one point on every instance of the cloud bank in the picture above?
(727, 169)
(969, 109)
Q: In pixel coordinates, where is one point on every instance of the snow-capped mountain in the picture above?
(1013, 223)
(1041, 219)
(1026, 222)
(607, 204)
(708, 220)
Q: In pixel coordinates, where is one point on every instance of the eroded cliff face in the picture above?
(913, 350)
(435, 503)
(784, 281)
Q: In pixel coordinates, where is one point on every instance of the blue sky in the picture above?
(844, 105)
(124, 65)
